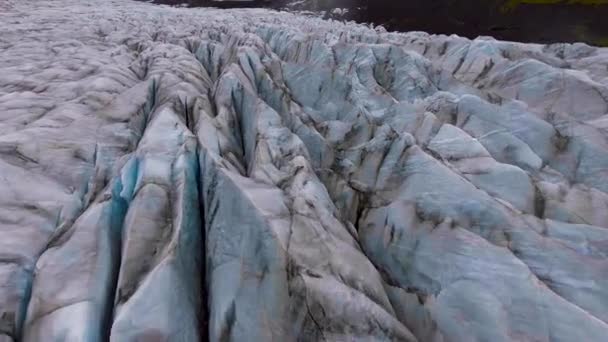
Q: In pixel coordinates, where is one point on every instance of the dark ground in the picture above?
(526, 22)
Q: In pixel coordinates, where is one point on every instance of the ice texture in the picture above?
(171, 174)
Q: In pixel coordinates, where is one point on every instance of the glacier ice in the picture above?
(174, 174)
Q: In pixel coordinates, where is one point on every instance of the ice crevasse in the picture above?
(171, 174)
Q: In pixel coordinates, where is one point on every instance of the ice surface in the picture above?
(172, 174)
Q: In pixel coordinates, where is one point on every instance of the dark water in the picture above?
(524, 20)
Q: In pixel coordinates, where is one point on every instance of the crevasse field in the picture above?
(173, 174)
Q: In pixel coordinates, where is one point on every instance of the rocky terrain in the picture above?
(538, 21)
(174, 174)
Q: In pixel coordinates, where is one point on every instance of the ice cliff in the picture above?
(173, 174)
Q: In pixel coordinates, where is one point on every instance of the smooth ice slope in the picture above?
(174, 174)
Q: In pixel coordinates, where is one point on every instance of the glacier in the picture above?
(172, 174)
